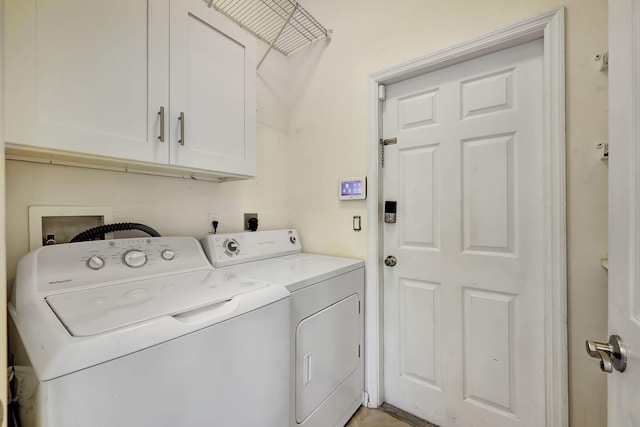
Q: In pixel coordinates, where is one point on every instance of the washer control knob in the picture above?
(168, 254)
(292, 239)
(232, 247)
(95, 262)
(135, 258)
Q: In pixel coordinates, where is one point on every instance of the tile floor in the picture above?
(366, 417)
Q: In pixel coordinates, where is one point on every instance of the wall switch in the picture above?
(357, 223)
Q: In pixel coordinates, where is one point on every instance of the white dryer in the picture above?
(144, 332)
(327, 318)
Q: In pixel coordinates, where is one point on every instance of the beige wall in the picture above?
(3, 296)
(312, 114)
(171, 206)
(328, 125)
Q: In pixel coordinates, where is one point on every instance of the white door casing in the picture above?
(550, 27)
(624, 207)
(3, 237)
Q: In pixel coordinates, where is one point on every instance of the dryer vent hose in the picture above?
(99, 232)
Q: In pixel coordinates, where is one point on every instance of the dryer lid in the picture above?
(98, 310)
(298, 270)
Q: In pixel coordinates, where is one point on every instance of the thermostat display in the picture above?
(353, 188)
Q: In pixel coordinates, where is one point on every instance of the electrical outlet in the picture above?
(247, 217)
(213, 216)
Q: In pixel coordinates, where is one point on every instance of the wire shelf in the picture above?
(283, 24)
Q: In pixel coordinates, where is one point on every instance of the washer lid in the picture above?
(98, 310)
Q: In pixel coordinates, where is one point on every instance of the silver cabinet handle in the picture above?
(612, 354)
(161, 114)
(181, 119)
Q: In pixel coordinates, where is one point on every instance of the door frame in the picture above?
(548, 26)
(3, 234)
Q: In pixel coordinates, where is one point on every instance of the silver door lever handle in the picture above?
(612, 354)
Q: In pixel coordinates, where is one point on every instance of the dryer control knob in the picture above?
(95, 262)
(232, 247)
(292, 239)
(135, 258)
(168, 254)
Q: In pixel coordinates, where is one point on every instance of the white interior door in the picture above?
(624, 207)
(464, 306)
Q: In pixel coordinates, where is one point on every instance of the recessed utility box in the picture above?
(247, 217)
(64, 222)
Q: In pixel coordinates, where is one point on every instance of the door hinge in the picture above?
(383, 143)
(382, 92)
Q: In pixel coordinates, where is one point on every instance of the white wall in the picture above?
(311, 131)
(328, 128)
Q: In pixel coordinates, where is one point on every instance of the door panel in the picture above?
(624, 209)
(464, 307)
(487, 94)
(419, 197)
(488, 348)
(419, 317)
(487, 193)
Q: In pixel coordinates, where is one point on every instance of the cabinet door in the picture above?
(213, 84)
(87, 76)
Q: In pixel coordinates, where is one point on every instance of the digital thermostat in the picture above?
(354, 188)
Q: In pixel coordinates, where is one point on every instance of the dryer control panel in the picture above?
(235, 248)
(94, 263)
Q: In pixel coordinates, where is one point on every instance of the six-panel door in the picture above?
(464, 306)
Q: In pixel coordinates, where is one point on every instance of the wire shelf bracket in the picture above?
(283, 24)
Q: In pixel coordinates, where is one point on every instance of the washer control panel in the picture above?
(236, 248)
(75, 265)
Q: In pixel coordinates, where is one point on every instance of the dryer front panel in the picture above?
(327, 353)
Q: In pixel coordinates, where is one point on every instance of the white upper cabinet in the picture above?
(213, 85)
(89, 78)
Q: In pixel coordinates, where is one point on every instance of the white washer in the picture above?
(144, 332)
(327, 319)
